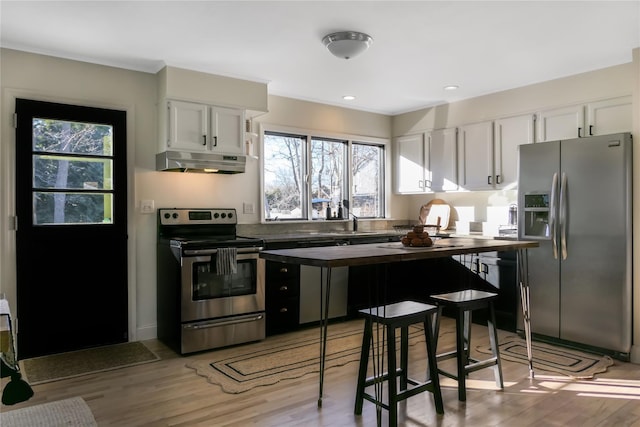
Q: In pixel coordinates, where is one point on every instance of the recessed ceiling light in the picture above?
(451, 87)
(348, 97)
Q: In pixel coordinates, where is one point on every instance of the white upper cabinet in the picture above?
(412, 160)
(475, 156)
(508, 134)
(577, 121)
(488, 152)
(443, 159)
(199, 127)
(609, 116)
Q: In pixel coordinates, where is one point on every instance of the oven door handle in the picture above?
(192, 252)
(217, 323)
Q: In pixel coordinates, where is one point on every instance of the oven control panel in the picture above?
(181, 216)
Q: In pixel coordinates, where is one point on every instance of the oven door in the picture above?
(208, 295)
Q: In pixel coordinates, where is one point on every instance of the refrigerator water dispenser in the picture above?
(536, 215)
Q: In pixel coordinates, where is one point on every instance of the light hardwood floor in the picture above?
(166, 393)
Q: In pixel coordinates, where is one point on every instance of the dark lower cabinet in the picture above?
(417, 280)
(495, 272)
(282, 297)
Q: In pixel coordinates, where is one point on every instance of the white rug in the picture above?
(68, 412)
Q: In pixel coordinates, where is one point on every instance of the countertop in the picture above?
(318, 235)
(375, 253)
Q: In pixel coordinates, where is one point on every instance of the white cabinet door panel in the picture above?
(475, 156)
(227, 127)
(443, 164)
(609, 116)
(411, 163)
(560, 123)
(188, 126)
(509, 133)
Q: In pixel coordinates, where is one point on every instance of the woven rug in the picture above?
(289, 356)
(552, 358)
(60, 366)
(69, 412)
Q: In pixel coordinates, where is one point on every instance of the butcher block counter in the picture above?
(380, 253)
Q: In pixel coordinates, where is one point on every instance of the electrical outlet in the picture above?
(248, 208)
(146, 206)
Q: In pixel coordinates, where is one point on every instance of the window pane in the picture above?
(283, 184)
(57, 136)
(327, 172)
(63, 173)
(71, 208)
(367, 184)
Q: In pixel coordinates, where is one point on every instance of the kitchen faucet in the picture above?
(345, 203)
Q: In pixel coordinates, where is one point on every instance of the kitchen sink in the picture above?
(353, 233)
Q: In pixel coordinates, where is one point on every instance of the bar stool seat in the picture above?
(393, 316)
(464, 302)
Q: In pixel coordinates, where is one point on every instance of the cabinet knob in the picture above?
(284, 288)
(284, 310)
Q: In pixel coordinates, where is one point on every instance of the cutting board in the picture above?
(430, 212)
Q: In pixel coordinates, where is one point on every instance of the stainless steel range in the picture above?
(201, 306)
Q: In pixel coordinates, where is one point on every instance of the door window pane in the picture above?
(64, 172)
(71, 208)
(59, 136)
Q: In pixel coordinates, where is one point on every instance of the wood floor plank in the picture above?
(167, 393)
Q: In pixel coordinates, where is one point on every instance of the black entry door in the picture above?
(71, 238)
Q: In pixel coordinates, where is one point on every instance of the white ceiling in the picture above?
(418, 48)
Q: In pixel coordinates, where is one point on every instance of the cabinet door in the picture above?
(508, 134)
(227, 130)
(560, 123)
(609, 116)
(475, 156)
(411, 160)
(443, 159)
(188, 126)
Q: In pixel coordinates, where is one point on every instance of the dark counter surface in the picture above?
(374, 253)
(324, 238)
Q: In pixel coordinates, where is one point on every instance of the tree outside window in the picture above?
(304, 174)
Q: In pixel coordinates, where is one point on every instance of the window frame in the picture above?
(350, 140)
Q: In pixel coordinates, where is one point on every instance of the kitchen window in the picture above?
(303, 174)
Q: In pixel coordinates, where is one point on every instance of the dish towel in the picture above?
(226, 261)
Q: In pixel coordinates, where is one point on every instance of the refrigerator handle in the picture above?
(563, 216)
(552, 215)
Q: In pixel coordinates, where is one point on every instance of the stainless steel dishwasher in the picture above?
(310, 293)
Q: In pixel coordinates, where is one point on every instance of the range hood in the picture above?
(184, 161)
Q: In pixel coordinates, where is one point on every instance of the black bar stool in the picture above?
(399, 315)
(464, 302)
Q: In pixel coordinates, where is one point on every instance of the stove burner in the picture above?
(197, 229)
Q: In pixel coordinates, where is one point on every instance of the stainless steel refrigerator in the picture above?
(575, 198)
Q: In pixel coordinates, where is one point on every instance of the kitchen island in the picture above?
(386, 253)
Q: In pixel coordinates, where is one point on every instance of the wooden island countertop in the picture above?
(379, 253)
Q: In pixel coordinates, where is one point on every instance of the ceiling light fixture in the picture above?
(348, 97)
(451, 87)
(347, 44)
